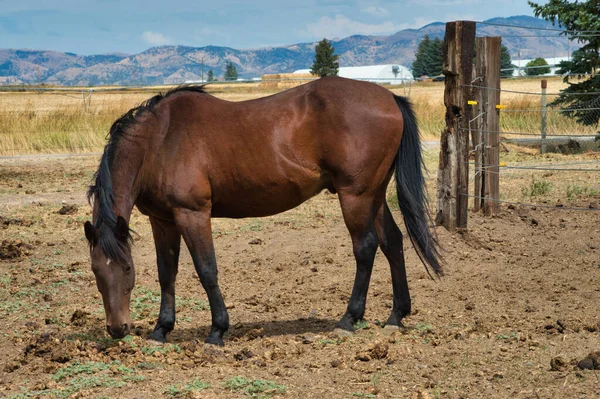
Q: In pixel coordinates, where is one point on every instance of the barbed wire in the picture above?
(530, 92)
(536, 28)
(534, 167)
(531, 134)
(550, 110)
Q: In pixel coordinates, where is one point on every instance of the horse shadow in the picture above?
(264, 329)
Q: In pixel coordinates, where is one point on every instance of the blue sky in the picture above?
(119, 26)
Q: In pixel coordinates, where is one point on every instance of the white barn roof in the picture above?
(553, 62)
(392, 73)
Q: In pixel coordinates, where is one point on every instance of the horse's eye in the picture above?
(127, 269)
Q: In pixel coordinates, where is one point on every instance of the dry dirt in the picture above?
(518, 309)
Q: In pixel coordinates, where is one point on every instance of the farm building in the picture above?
(552, 63)
(392, 73)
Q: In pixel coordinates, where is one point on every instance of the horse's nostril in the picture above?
(118, 332)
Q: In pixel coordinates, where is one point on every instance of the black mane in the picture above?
(102, 189)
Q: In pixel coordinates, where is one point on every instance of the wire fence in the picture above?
(546, 119)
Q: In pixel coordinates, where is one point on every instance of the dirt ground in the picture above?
(519, 306)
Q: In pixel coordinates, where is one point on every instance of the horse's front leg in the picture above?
(167, 241)
(195, 228)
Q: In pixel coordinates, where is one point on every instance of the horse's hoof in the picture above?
(156, 338)
(389, 329)
(340, 332)
(214, 341)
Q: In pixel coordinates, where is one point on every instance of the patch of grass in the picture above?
(10, 307)
(5, 280)
(194, 386)
(536, 188)
(362, 395)
(142, 301)
(253, 225)
(195, 304)
(76, 368)
(78, 376)
(150, 350)
(424, 327)
(254, 388)
(575, 191)
(361, 325)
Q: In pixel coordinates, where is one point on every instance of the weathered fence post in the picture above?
(543, 128)
(486, 138)
(453, 173)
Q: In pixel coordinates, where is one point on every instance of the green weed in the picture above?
(536, 188)
(194, 386)
(360, 325)
(254, 388)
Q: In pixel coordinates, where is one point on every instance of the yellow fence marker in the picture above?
(471, 102)
(500, 106)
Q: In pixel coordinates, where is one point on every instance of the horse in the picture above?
(185, 157)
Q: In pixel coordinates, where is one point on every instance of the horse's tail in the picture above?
(412, 195)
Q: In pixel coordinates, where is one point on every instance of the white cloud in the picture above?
(155, 38)
(416, 23)
(341, 26)
(375, 11)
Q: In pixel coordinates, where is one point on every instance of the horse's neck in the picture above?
(124, 172)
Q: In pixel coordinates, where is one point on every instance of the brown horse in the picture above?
(187, 156)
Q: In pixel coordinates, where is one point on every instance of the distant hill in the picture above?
(175, 64)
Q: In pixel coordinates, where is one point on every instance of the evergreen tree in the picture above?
(579, 18)
(210, 77)
(437, 56)
(506, 65)
(537, 67)
(420, 66)
(231, 72)
(429, 57)
(326, 62)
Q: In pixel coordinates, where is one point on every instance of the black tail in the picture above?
(412, 196)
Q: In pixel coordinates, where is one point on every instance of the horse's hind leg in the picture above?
(167, 241)
(358, 215)
(195, 228)
(390, 240)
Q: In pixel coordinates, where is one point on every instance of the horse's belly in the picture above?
(265, 201)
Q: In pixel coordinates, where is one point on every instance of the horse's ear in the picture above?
(122, 229)
(90, 233)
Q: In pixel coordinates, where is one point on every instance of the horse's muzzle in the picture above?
(118, 332)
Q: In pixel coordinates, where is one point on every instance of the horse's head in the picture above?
(112, 265)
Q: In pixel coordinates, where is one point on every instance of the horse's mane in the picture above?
(102, 189)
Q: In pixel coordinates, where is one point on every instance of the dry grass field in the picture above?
(59, 122)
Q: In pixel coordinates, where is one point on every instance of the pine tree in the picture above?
(326, 62)
(210, 77)
(437, 56)
(579, 18)
(420, 66)
(429, 57)
(231, 72)
(506, 65)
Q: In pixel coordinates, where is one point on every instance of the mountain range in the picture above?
(176, 64)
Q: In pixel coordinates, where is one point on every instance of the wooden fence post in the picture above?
(486, 124)
(453, 173)
(543, 128)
